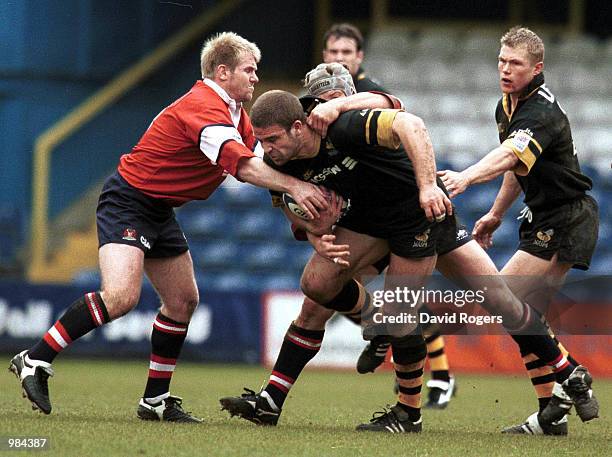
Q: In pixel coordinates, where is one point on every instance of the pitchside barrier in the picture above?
(249, 328)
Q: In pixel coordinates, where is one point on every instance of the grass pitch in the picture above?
(94, 404)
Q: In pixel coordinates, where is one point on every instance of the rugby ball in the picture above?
(296, 209)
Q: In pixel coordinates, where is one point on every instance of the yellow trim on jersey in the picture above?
(506, 107)
(277, 201)
(384, 129)
(537, 145)
(527, 157)
(367, 127)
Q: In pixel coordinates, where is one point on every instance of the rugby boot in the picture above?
(33, 376)
(252, 407)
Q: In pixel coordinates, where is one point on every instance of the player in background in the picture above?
(184, 155)
(343, 43)
(560, 222)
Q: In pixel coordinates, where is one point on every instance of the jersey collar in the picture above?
(234, 107)
(531, 88)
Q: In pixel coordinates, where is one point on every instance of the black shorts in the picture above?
(127, 216)
(570, 230)
(403, 225)
(453, 234)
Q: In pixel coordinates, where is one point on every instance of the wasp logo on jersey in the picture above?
(543, 238)
(420, 240)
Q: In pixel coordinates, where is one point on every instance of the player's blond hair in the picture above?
(519, 36)
(225, 48)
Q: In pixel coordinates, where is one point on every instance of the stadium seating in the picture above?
(449, 78)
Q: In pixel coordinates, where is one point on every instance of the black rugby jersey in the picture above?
(539, 133)
(360, 160)
(366, 84)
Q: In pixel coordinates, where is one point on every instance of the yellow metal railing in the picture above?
(91, 107)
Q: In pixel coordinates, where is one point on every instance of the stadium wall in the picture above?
(247, 328)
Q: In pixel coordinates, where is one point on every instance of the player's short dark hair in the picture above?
(519, 36)
(344, 30)
(277, 107)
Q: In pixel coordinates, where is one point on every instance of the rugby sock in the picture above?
(542, 376)
(167, 340)
(298, 348)
(354, 301)
(85, 314)
(532, 336)
(408, 362)
(438, 362)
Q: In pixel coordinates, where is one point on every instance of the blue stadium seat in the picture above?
(215, 254)
(280, 281)
(244, 196)
(224, 280)
(298, 254)
(266, 255)
(601, 264)
(255, 224)
(204, 222)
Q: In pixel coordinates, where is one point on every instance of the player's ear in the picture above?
(222, 72)
(538, 68)
(297, 126)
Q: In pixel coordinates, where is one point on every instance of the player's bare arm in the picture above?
(495, 163)
(326, 113)
(487, 224)
(310, 197)
(410, 130)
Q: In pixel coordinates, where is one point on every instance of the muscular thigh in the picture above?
(121, 268)
(529, 276)
(324, 279)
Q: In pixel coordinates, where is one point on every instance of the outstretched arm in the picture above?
(495, 163)
(310, 197)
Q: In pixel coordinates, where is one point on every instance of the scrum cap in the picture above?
(329, 76)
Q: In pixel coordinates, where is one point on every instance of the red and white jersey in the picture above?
(191, 146)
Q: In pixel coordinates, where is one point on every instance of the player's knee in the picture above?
(185, 306)
(119, 301)
(315, 288)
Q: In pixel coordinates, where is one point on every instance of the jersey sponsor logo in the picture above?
(363, 112)
(325, 173)
(543, 238)
(129, 234)
(461, 234)
(521, 139)
(145, 242)
(349, 162)
(420, 240)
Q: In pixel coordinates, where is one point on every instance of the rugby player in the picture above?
(560, 223)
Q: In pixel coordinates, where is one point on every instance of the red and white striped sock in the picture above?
(167, 340)
(85, 314)
(299, 347)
